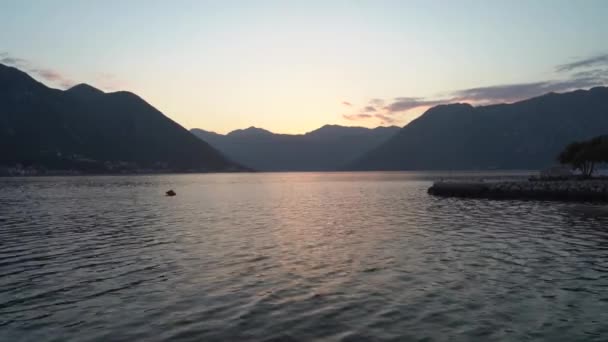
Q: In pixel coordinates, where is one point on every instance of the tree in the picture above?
(585, 155)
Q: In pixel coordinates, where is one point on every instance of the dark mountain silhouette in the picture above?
(523, 135)
(86, 129)
(324, 149)
(251, 132)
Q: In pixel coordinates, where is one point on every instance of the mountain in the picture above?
(85, 129)
(324, 149)
(522, 135)
(251, 132)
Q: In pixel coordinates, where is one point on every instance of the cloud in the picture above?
(500, 93)
(402, 104)
(385, 119)
(582, 74)
(50, 75)
(584, 63)
(106, 81)
(376, 102)
(346, 103)
(6, 59)
(601, 74)
(597, 76)
(53, 76)
(518, 91)
(515, 92)
(355, 117)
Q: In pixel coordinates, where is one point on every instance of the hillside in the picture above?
(87, 130)
(324, 149)
(523, 135)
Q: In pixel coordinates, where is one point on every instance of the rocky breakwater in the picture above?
(562, 190)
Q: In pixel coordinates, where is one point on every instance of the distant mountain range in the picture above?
(325, 149)
(524, 135)
(85, 129)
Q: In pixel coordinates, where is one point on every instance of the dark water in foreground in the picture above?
(287, 257)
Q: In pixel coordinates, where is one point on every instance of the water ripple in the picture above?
(294, 257)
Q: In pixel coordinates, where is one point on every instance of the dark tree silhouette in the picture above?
(585, 155)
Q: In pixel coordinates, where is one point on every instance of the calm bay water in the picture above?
(294, 256)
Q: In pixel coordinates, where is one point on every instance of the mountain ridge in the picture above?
(86, 129)
(525, 134)
(323, 149)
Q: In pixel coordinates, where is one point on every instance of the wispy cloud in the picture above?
(584, 63)
(385, 119)
(573, 80)
(51, 75)
(515, 92)
(598, 74)
(376, 102)
(402, 104)
(13, 61)
(580, 74)
(355, 117)
(498, 94)
(346, 103)
(387, 114)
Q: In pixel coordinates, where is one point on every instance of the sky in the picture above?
(293, 66)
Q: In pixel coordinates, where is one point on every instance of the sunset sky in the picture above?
(293, 66)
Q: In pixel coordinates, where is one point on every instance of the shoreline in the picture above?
(576, 190)
(434, 174)
(143, 173)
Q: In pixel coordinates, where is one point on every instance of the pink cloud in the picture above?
(50, 75)
(53, 76)
(355, 117)
(385, 119)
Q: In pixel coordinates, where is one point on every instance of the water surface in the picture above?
(294, 257)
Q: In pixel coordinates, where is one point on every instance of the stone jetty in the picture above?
(595, 190)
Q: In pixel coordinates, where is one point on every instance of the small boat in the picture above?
(170, 193)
